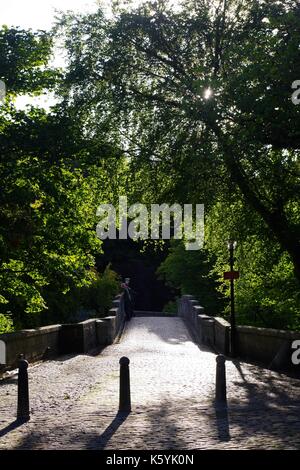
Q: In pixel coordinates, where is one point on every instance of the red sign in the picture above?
(231, 275)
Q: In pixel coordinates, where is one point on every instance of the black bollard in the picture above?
(23, 413)
(221, 380)
(125, 402)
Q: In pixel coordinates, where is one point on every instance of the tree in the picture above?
(192, 273)
(53, 177)
(212, 76)
(24, 56)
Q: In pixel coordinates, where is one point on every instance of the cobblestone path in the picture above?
(74, 400)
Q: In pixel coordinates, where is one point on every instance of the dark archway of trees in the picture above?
(127, 259)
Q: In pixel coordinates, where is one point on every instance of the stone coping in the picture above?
(272, 332)
(27, 333)
(208, 320)
(113, 311)
(268, 332)
(44, 330)
(149, 313)
(219, 321)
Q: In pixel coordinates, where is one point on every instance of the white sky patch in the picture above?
(40, 14)
(207, 93)
(43, 101)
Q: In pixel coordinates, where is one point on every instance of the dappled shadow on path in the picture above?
(102, 441)
(12, 380)
(238, 366)
(262, 412)
(10, 427)
(263, 388)
(172, 425)
(222, 422)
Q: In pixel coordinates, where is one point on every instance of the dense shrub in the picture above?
(6, 324)
(190, 271)
(99, 295)
(78, 304)
(267, 293)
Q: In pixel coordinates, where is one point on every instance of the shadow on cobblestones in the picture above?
(102, 441)
(14, 425)
(222, 422)
(74, 400)
(164, 426)
(265, 388)
(9, 380)
(173, 425)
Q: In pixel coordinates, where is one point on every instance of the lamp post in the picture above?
(231, 247)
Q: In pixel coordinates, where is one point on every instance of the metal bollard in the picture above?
(125, 402)
(221, 380)
(23, 413)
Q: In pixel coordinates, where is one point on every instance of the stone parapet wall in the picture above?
(51, 341)
(265, 345)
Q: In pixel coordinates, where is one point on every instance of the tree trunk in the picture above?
(275, 219)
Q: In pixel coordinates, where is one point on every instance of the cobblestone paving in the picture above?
(74, 400)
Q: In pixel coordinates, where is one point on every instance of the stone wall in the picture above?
(51, 341)
(264, 345)
(146, 313)
(34, 344)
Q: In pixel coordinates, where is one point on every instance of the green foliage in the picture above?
(80, 303)
(100, 294)
(238, 151)
(54, 176)
(171, 307)
(133, 119)
(153, 66)
(190, 271)
(267, 293)
(6, 324)
(24, 56)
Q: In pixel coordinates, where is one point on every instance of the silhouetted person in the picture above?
(128, 299)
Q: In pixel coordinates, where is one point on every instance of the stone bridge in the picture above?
(74, 398)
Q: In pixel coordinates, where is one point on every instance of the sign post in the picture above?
(232, 276)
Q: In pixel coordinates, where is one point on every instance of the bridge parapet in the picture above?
(51, 341)
(253, 344)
